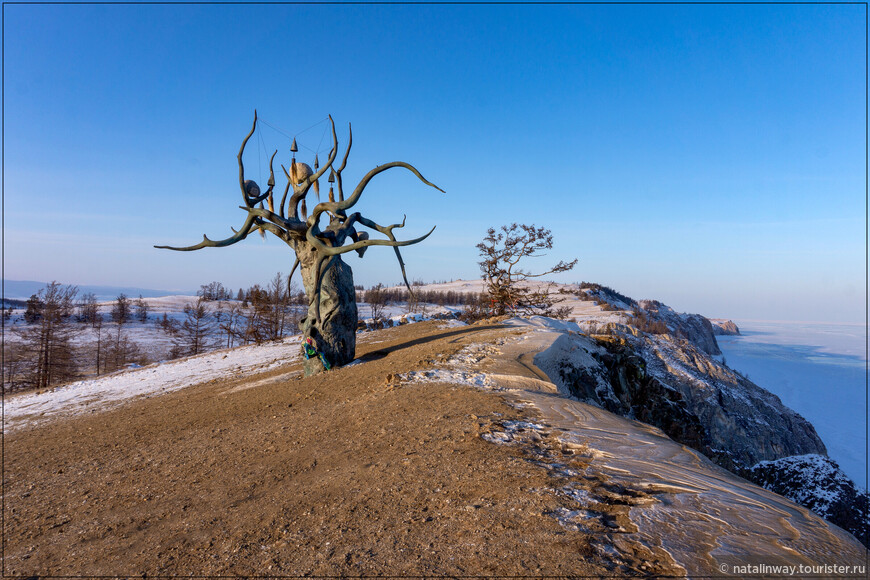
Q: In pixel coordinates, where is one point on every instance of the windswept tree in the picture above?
(506, 281)
(329, 328)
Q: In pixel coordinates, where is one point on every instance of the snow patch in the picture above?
(32, 408)
(448, 376)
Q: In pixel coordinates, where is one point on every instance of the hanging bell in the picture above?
(331, 174)
(316, 163)
(293, 147)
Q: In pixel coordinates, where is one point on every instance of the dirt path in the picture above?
(344, 473)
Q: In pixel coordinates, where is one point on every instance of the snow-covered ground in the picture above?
(31, 408)
(155, 343)
(105, 392)
(819, 371)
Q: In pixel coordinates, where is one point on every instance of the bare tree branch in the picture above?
(241, 166)
(271, 182)
(330, 251)
(286, 189)
(339, 208)
(291, 225)
(295, 265)
(343, 164)
(246, 229)
(388, 231)
(335, 207)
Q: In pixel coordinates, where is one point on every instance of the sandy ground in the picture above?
(345, 473)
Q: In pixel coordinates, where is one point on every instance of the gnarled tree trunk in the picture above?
(334, 336)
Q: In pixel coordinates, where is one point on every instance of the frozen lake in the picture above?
(819, 370)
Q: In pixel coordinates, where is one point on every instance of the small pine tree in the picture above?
(194, 334)
(121, 309)
(141, 309)
(49, 336)
(35, 306)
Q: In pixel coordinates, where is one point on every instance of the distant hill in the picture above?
(24, 289)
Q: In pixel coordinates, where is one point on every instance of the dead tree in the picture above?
(329, 328)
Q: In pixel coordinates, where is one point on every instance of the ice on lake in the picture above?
(820, 371)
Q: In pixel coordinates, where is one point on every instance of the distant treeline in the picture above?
(63, 335)
(439, 297)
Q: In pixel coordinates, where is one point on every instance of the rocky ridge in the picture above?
(722, 327)
(658, 366)
(641, 494)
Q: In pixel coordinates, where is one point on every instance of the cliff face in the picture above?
(658, 367)
(693, 398)
(691, 327)
(816, 482)
(722, 327)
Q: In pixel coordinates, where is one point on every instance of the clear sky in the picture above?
(709, 156)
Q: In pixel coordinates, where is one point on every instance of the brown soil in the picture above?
(344, 473)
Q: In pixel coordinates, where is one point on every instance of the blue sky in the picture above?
(710, 156)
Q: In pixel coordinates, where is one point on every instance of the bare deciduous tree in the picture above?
(377, 300)
(121, 350)
(506, 280)
(88, 309)
(330, 324)
(194, 333)
(214, 291)
(230, 321)
(49, 337)
(99, 347)
(141, 309)
(121, 309)
(17, 363)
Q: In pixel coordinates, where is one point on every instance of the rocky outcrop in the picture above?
(691, 327)
(658, 367)
(818, 483)
(694, 399)
(723, 327)
(607, 298)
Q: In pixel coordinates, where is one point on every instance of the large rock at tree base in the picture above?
(335, 336)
